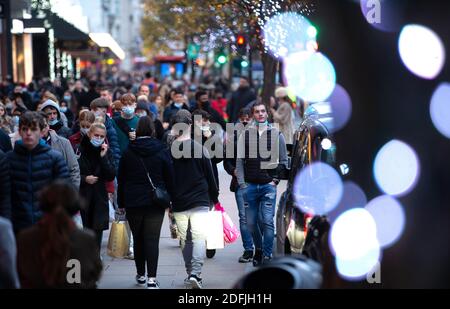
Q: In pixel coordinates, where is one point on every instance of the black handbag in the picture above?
(159, 196)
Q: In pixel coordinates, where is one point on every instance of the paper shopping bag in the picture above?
(118, 241)
(214, 231)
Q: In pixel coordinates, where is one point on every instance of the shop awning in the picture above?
(107, 41)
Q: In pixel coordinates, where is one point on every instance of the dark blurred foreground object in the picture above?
(8, 273)
(54, 253)
(283, 273)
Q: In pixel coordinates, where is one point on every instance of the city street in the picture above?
(220, 272)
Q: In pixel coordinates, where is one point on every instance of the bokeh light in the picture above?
(352, 197)
(389, 217)
(341, 106)
(396, 168)
(383, 15)
(287, 33)
(317, 189)
(421, 51)
(357, 269)
(310, 75)
(353, 234)
(440, 109)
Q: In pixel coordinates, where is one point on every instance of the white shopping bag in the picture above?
(214, 230)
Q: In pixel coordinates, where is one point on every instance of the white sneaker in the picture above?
(152, 284)
(141, 280)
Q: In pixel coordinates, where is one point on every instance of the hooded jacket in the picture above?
(59, 127)
(31, 171)
(133, 185)
(63, 145)
(195, 184)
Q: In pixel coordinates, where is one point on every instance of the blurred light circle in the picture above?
(353, 235)
(357, 269)
(341, 106)
(396, 168)
(389, 217)
(286, 33)
(383, 15)
(440, 109)
(326, 144)
(352, 197)
(317, 189)
(312, 32)
(421, 51)
(310, 75)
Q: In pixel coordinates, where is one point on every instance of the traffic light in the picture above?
(221, 57)
(241, 45)
(240, 40)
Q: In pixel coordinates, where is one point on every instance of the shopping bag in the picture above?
(118, 241)
(230, 231)
(214, 231)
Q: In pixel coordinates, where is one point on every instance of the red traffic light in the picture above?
(240, 40)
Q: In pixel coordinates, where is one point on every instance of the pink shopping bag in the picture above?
(230, 231)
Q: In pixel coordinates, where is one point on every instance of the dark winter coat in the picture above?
(31, 171)
(5, 187)
(96, 215)
(239, 99)
(133, 185)
(195, 184)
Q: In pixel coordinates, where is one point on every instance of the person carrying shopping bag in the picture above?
(194, 189)
(146, 163)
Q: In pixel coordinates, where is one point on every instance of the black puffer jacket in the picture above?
(96, 214)
(30, 171)
(133, 185)
(195, 184)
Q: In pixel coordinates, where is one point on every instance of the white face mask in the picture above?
(142, 114)
(204, 128)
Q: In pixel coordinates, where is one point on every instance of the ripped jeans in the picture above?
(259, 204)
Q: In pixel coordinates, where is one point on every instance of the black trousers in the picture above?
(145, 225)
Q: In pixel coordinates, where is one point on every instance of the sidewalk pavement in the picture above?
(220, 272)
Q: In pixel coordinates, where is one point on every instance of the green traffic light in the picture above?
(222, 59)
(244, 63)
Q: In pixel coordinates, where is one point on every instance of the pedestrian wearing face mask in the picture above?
(126, 123)
(86, 119)
(202, 103)
(100, 107)
(96, 168)
(177, 104)
(53, 112)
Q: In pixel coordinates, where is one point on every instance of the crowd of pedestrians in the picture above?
(72, 150)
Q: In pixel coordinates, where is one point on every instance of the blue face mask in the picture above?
(128, 110)
(15, 120)
(260, 124)
(178, 105)
(67, 98)
(63, 109)
(97, 142)
(53, 122)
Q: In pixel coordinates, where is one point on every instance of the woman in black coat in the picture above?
(96, 168)
(145, 154)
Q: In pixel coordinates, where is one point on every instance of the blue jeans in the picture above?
(247, 240)
(260, 211)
